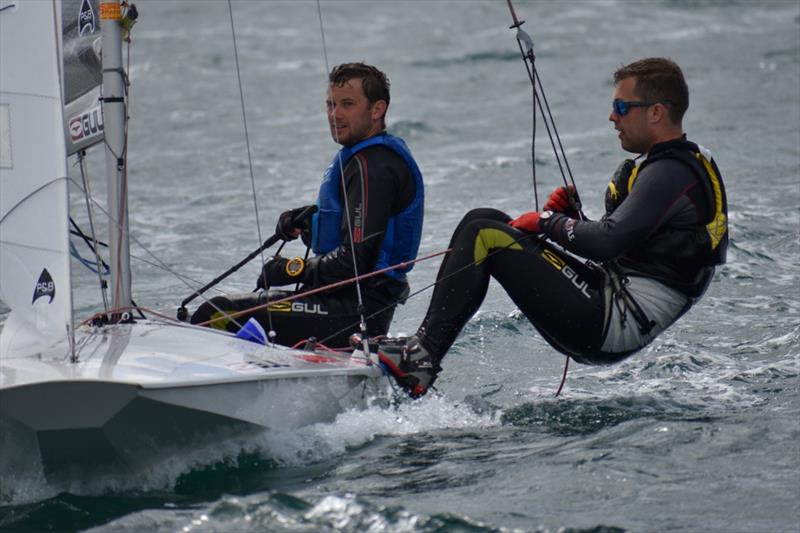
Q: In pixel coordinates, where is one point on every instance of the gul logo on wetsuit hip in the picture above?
(44, 287)
(86, 125)
(565, 269)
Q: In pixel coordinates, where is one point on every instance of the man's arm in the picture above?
(661, 194)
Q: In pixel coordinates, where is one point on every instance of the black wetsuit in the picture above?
(648, 264)
(379, 185)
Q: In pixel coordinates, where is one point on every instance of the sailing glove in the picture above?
(563, 200)
(528, 222)
(279, 271)
(294, 221)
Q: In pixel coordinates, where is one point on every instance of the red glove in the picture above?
(563, 200)
(528, 222)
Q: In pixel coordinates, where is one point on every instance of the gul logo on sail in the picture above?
(86, 125)
(44, 287)
(86, 19)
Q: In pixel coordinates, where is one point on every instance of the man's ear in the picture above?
(379, 109)
(659, 114)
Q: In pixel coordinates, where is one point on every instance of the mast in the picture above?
(114, 119)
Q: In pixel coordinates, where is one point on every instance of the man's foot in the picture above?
(410, 364)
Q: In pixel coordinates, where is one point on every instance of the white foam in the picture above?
(357, 427)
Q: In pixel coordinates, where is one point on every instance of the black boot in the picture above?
(410, 364)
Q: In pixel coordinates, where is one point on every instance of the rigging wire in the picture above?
(558, 139)
(90, 212)
(526, 48)
(359, 299)
(158, 263)
(271, 332)
(526, 52)
(529, 59)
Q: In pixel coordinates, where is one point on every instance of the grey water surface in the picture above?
(698, 432)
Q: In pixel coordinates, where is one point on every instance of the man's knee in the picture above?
(485, 213)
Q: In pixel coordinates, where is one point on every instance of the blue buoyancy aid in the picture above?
(403, 231)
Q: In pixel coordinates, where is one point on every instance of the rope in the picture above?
(431, 285)
(323, 288)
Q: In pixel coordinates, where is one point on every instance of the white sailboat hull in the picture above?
(143, 391)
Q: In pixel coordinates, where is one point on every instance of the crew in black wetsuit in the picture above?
(627, 277)
(383, 212)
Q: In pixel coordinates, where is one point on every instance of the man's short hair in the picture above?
(373, 81)
(658, 79)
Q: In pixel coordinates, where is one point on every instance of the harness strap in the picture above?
(625, 301)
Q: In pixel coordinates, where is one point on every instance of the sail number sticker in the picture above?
(110, 11)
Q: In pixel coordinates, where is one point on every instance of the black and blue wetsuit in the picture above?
(650, 258)
(384, 196)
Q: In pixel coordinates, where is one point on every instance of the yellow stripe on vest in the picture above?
(633, 176)
(613, 189)
(719, 225)
(490, 238)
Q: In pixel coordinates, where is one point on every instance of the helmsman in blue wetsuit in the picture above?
(627, 277)
(374, 224)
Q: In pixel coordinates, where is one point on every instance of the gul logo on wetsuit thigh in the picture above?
(564, 268)
(298, 307)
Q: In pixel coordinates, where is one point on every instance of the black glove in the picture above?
(294, 219)
(278, 271)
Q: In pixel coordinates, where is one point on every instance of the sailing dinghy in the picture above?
(123, 391)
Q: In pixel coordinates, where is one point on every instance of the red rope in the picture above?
(321, 289)
(563, 377)
(287, 299)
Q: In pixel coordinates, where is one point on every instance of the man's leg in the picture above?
(329, 317)
(463, 278)
(559, 294)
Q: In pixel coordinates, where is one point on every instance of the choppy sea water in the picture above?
(699, 432)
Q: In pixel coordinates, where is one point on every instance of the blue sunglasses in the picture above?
(622, 107)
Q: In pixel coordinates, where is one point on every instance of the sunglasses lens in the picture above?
(620, 107)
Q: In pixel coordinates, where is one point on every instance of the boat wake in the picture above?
(229, 457)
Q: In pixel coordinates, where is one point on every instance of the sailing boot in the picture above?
(410, 364)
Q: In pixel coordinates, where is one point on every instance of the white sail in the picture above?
(34, 205)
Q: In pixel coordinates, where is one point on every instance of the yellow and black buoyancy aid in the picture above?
(712, 237)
